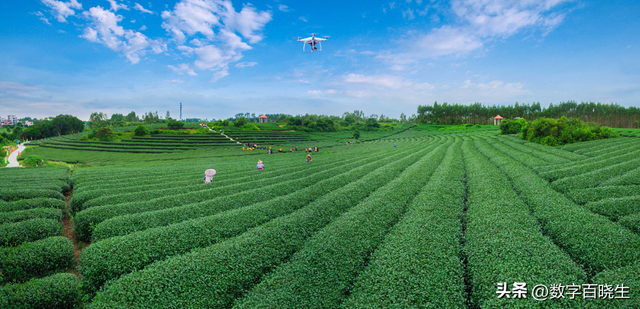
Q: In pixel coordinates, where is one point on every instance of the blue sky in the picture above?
(222, 57)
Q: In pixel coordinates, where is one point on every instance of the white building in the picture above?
(13, 119)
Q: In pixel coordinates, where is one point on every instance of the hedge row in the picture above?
(594, 178)
(134, 150)
(14, 234)
(41, 202)
(418, 263)
(631, 222)
(629, 178)
(214, 276)
(615, 208)
(272, 176)
(590, 239)
(546, 157)
(229, 196)
(524, 158)
(321, 273)
(629, 277)
(57, 291)
(21, 215)
(112, 257)
(36, 259)
(36, 183)
(606, 151)
(125, 224)
(588, 167)
(583, 196)
(590, 160)
(551, 150)
(584, 146)
(504, 242)
(19, 194)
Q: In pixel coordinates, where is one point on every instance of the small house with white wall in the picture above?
(263, 119)
(497, 120)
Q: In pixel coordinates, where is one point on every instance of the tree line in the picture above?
(611, 115)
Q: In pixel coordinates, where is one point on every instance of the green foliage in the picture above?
(14, 234)
(141, 131)
(41, 202)
(104, 134)
(21, 215)
(253, 253)
(250, 127)
(36, 259)
(551, 132)
(512, 126)
(31, 161)
(57, 291)
(616, 207)
(356, 134)
(240, 122)
(175, 125)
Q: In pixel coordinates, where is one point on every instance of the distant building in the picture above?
(497, 120)
(5, 122)
(28, 123)
(13, 119)
(264, 119)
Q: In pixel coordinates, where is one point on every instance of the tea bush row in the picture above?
(594, 178)
(588, 167)
(122, 225)
(214, 276)
(36, 259)
(59, 291)
(112, 257)
(41, 202)
(583, 196)
(590, 239)
(504, 242)
(615, 208)
(21, 215)
(14, 234)
(320, 274)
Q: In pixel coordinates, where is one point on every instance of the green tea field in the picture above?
(410, 218)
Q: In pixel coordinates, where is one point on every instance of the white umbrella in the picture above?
(210, 172)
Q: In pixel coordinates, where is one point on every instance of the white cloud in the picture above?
(479, 22)
(302, 18)
(314, 92)
(105, 30)
(143, 28)
(41, 17)
(115, 6)
(220, 25)
(174, 81)
(245, 64)
(388, 81)
(141, 9)
(283, 8)
(182, 68)
(62, 10)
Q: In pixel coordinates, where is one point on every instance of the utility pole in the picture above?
(180, 111)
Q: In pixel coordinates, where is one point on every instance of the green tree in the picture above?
(141, 130)
(356, 134)
(240, 122)
(175, 125)
(105, 134)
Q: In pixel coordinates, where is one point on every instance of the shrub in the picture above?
(175, 125)
(56, 291)
(550, 132)
(31, 161)
(105, 134)
(21, 215)
(14, 234)
(234, 266)
(512, 126)
(36, 259)
(356, 134)
(141, 131)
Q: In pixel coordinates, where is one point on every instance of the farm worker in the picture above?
(296, 148)
(269, 147)
(208, 175)
(308, 158)
(251, 149)
(42, 161)
(316, 149)
(242, 148)
(394, 145)
(280, 149)
(260, 165)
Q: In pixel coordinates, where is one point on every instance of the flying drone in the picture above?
(313, 41)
